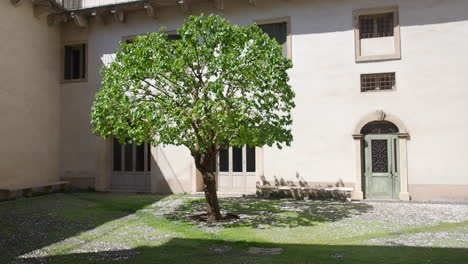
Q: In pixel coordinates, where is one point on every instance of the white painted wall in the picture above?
(377, 46)
(430, 97)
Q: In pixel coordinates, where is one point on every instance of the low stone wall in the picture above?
(81, 183)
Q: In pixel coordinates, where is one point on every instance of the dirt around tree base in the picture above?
(229, 217)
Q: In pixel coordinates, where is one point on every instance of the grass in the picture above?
(106, 228)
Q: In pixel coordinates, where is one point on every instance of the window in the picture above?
(75, 62)
(172, 37)
(237, 160)
(250, 159)
(377, 82)
(279, 30)
(132, 157)
(377, 34)
(376, 26)
(224, 160)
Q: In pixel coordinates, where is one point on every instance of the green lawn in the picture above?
(106, 228)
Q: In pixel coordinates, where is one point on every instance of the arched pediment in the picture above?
(380, 116)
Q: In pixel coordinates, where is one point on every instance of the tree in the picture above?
(219, 85)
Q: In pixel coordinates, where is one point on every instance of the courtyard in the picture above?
(117, 228)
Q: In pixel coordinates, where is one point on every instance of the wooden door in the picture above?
(381, 167)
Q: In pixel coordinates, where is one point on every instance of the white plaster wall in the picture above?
(377, 46)
(430, 97)
(29, 97)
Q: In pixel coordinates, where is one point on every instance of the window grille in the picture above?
(377, 82)
(376, 26)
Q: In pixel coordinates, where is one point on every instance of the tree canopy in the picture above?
(217, 85)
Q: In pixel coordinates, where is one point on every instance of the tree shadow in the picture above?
(262, 213)
(33, 223)
(183, 250)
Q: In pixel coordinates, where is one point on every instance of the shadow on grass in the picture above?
(276, 213)
(204, 251)
(33, 223)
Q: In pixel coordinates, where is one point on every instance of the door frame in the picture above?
(403, 138)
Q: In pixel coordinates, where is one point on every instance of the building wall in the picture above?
(430, 98)
(29, 97)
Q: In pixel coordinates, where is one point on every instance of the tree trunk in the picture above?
(209, 187)
(206, 165)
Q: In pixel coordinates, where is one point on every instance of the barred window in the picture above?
(377, 82)
(376, 26)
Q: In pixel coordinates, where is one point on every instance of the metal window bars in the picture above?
(376, 26)
(377, 82)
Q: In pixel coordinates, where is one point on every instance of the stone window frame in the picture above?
(287, 20)
(396, 34)
(62, 61)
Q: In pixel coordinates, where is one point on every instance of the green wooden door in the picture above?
(381, 167)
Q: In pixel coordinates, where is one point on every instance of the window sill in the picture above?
(74, 81)
(378, 58)
(378, 91)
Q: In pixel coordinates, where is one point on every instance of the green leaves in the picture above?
(219, 85)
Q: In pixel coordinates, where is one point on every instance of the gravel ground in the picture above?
(392, 216)
(416, 213)
(116, 240)
(106, 251)
(426, 239)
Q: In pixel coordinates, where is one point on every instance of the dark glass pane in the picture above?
(395, 154)
(129, 157)
(76, 64)
(278, 31)
(385, 25)
(379, 155)
(67, 63)
(117, 156)
(376, 26)
(224, 160)
(140, 157)
(236, 159)
(250, 159)
(379, 127)
(366, 27)
(83, 61)
(173, 37)
(148, 153)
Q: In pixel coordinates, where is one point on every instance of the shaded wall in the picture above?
(29, 97)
